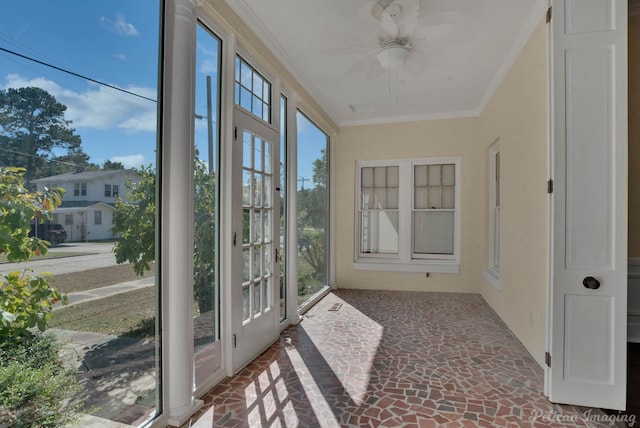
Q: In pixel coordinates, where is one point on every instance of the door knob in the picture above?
(591, 283)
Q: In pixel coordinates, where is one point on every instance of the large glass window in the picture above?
(408, 213)
(313, 208)
(206, 202)
(90, 75)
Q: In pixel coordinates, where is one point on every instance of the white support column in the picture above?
(292, 211)
(176, 196)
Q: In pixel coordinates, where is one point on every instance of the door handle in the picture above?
(591, 283)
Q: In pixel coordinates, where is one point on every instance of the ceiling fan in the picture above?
(404, 37)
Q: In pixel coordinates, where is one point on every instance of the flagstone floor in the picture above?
(393, 359)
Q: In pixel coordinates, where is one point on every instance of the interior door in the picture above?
(255, 290)
(588, 293)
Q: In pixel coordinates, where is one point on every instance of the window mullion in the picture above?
(405, 195)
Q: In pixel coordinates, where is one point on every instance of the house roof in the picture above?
(84, 204)
(84, 175)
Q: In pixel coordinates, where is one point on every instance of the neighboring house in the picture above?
(89, 200)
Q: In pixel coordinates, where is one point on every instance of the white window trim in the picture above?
(492, 274)
(404, 261)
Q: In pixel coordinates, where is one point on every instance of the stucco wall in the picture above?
(517, 115)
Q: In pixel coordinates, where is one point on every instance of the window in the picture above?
(68, 219)
(79, 189)
(252, 91)
(313, 201)
(492, 274)
(115, 190)
(97, 217)
(408, 215)
(107, 190)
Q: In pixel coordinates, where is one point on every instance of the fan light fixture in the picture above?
(393, 56)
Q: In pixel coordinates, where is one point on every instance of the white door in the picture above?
(588, 299)
(255, 293)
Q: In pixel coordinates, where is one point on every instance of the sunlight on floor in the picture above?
(351, 347)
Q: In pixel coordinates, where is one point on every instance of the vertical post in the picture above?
(176, 196)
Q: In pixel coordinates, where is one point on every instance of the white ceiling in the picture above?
(460, 52)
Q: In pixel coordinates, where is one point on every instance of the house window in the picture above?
(80, 189)
(115, 190)
(252, 90)
(408, 215)
(492, 274)
(107, 190)
(68, 219)
(97, 217)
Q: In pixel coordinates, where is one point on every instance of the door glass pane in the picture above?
(257, 215)
(313, 208)
(99, 131)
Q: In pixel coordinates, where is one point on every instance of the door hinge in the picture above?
(547, 359)
(550, 186)
(234, 239)
(235, 133)
(549, 15)
(235, 343)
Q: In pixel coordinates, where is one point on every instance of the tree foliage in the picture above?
(313, 220)
(135, 223)
(35, 135)
(26, 301)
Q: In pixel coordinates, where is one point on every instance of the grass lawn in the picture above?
(127, 314)
(96, 278)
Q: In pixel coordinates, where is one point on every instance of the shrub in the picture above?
(34, 383)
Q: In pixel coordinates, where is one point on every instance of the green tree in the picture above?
(312, 221)
(135, 223)
(26, 301)
(110, 165)
(35, 135)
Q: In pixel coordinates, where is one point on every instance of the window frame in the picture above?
(405, 260)
(492, 274)
(107, 190)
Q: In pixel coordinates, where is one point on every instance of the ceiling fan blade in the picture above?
(389, 25)
(407, 21)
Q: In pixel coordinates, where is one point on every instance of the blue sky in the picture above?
(112, 41)
(115, 42)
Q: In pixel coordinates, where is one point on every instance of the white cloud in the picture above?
(119, 26)
(209, 66)
(120, 56)
(99, 107)
(129, 161)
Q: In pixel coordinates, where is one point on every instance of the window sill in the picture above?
(493, 276)
(431, 266)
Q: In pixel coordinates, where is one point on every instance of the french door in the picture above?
(256, 273)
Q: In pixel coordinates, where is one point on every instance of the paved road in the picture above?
(100, 254)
